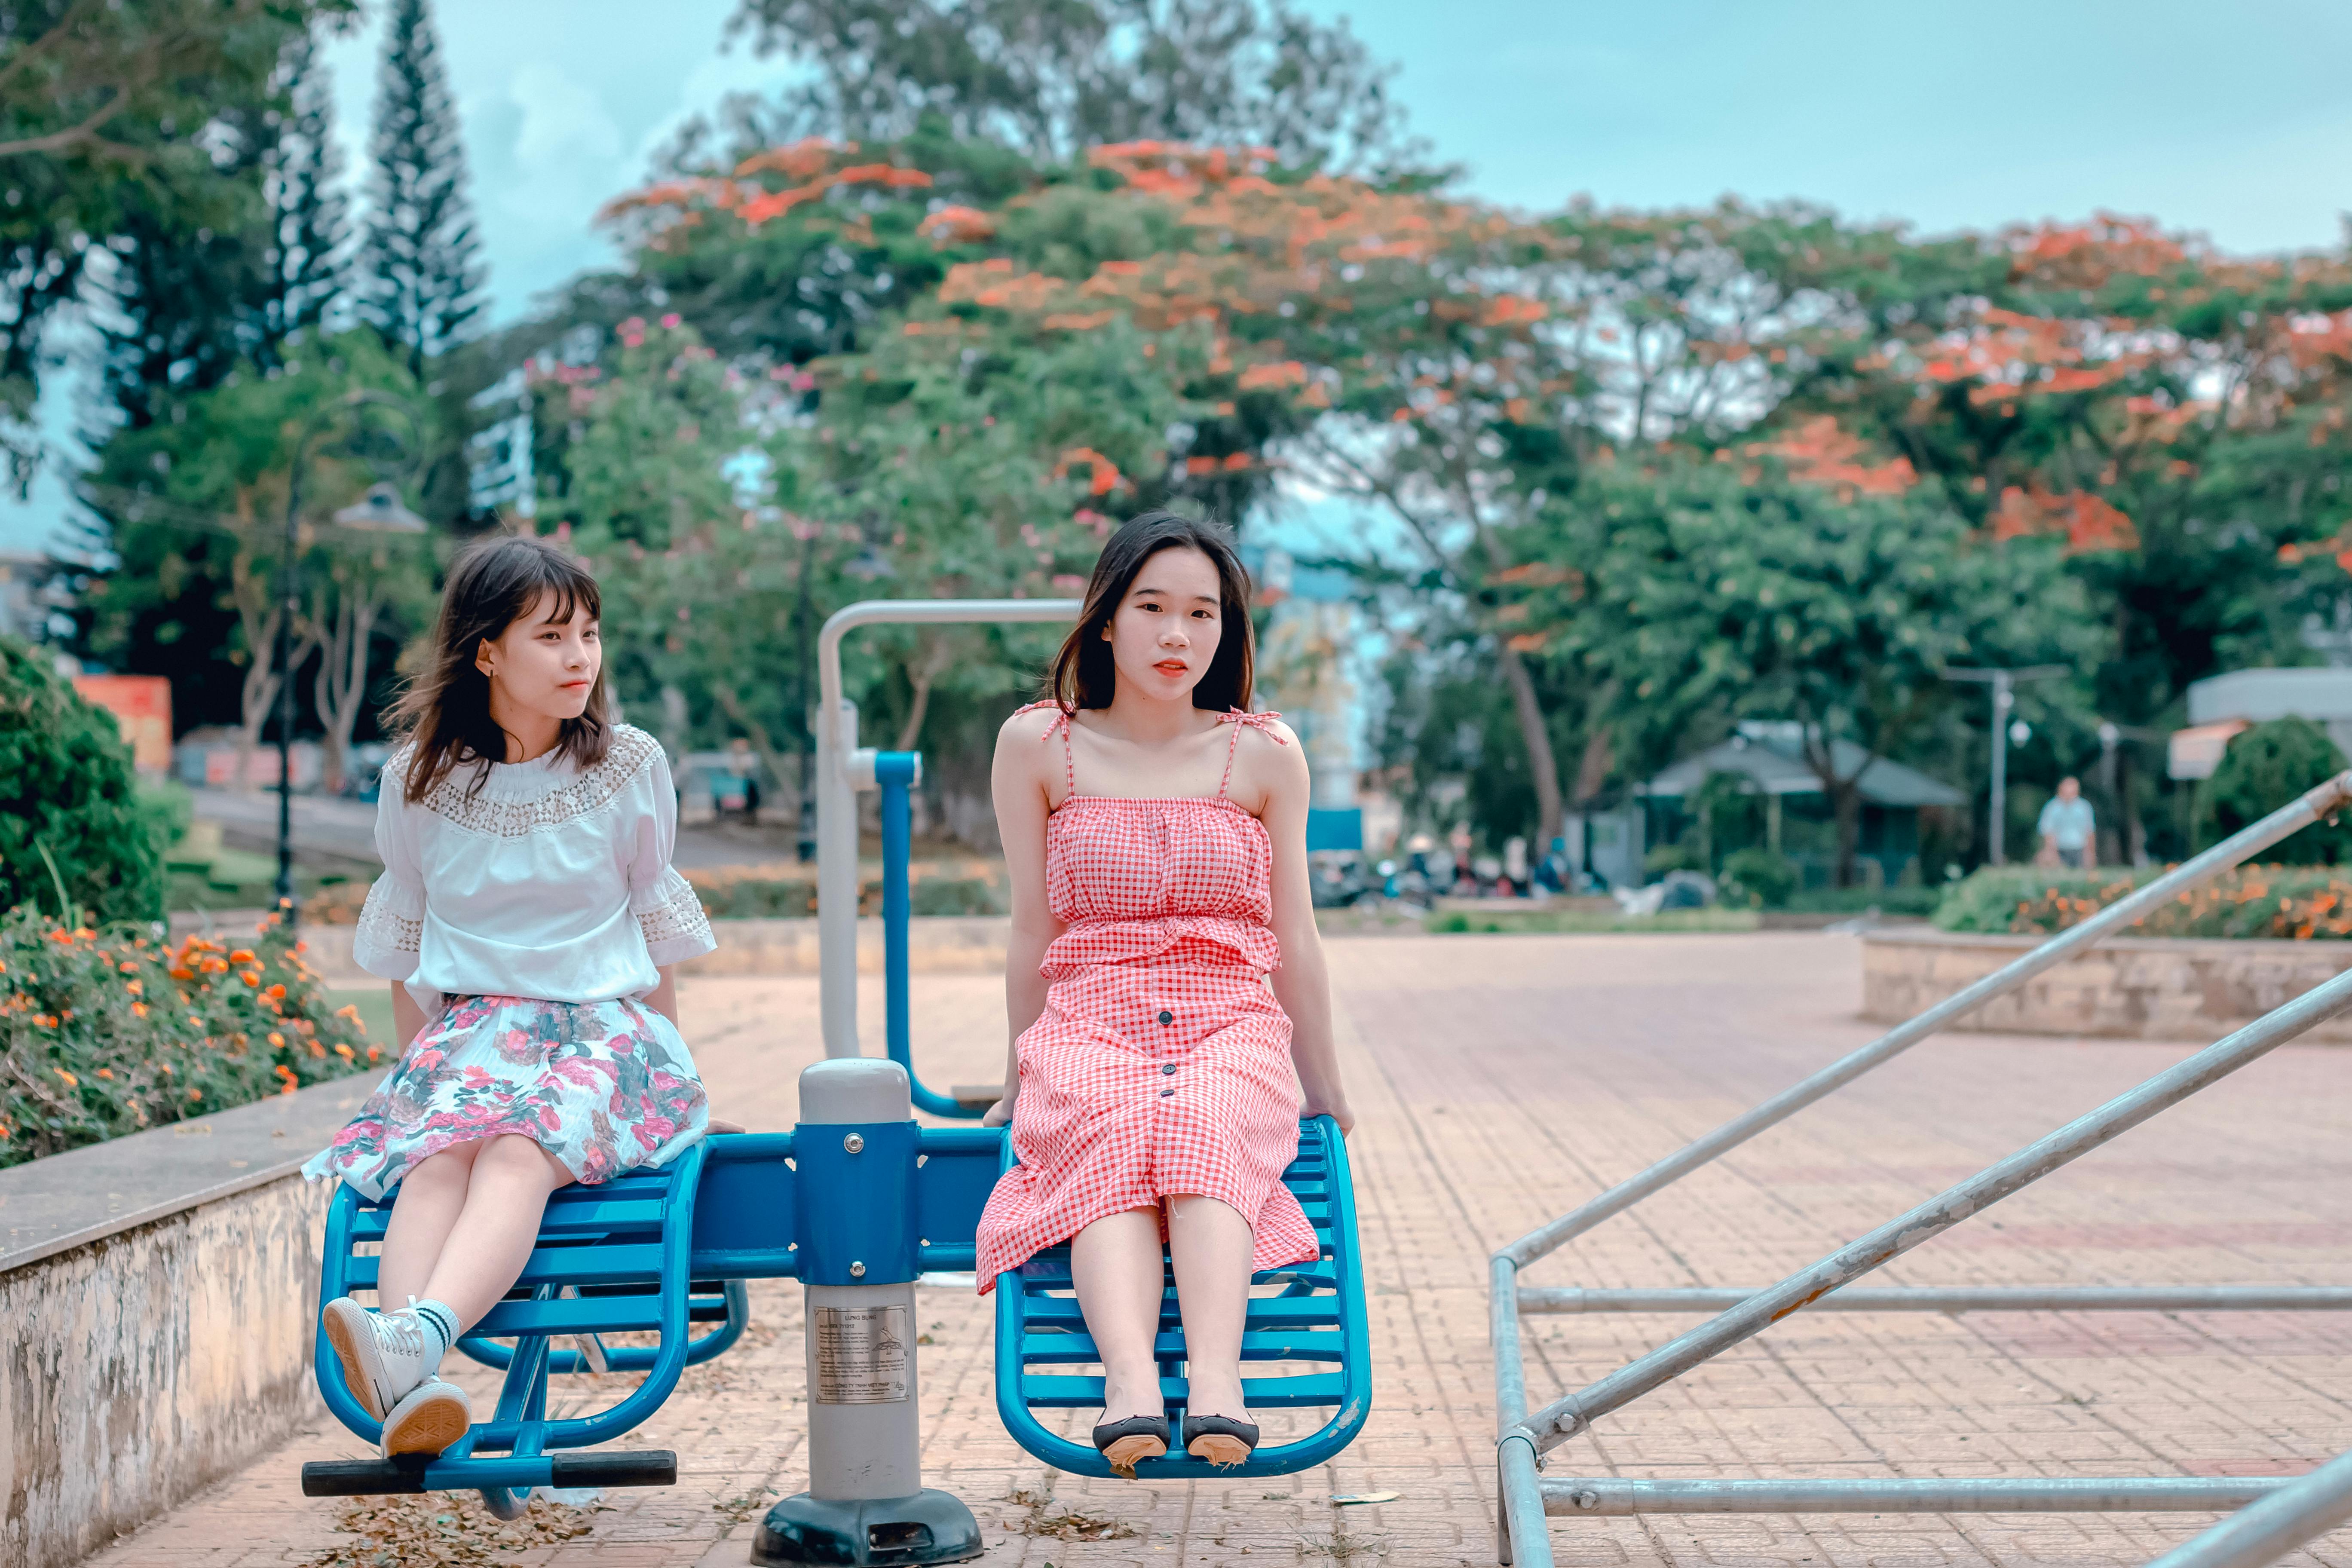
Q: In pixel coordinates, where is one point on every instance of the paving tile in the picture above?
(1499, 1081)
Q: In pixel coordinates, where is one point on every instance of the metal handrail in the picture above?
(837, 785)
(1523, 1496)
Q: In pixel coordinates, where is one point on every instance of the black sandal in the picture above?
(1228, 1442)
(1137, 1437)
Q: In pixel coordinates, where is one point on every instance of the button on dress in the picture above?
(1162, 1062)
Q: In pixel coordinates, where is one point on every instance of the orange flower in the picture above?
(275, 993)
(374, 1051)
(138, 1009)
(183, 973)
(106, 1072)
(71, 1081)
(277, 1040)
(195, 1094)
(251, 978)
(133, 986)
(242, 956)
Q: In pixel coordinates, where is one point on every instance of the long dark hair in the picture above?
(446, 711)
(1084, 675)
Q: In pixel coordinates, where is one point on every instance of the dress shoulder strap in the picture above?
(1069, 759)
(1262, 723)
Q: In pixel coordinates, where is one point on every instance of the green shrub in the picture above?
(1759, 879)
(104, 1032)
(1896, 899)
(2264, 768)
(733, 895)
(71, 811)
(1665, 858)
(2299, 903)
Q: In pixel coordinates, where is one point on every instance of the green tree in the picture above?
(420, 256)
(1695, 588)
(2264, 768)
(107, 111)
(70, 812)
(310, 228)
(1052, 78)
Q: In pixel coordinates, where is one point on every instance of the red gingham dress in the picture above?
(1162, 1062)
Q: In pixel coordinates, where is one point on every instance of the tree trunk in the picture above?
(1542, 766)
(344, 635)
(1845, 800)
(787, 778)
(1600, 752)
(921, 675)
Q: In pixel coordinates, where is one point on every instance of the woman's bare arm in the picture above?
(1303, 983)
(1018, 781)
(407, 1017)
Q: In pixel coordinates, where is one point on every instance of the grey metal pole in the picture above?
(1612, 1494)
(2300, 1511)
(1965, 1299)
(2289, 818)
(1997, 828)
(837, 786)
(865, 1501)
(1564, 1417)
(1521, 1537)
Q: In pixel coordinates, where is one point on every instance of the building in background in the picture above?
(1798, 822)
(1303, 671)
(142, 706)
(2223, 705)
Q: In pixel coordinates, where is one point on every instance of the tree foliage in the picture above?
(423, 273)
(72, 822)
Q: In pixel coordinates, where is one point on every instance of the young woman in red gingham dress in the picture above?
(1151, 1079)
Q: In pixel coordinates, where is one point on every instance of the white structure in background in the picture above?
(1303, 665)
(26, 602)
(2223, 705)
(501, 452)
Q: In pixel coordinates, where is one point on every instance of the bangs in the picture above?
(569, 587)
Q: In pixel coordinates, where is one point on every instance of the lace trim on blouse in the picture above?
(630, 751)
(383, 928)
(676, 928)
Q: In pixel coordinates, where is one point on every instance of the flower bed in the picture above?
(108, 1031)
(2295, 903)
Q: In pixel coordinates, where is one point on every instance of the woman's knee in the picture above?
(514, 1156)
(442, 1172)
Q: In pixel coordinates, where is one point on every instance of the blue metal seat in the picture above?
(1312, 1312)
(610, 1260)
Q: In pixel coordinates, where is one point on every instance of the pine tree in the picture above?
(425, 279)
(309, 224)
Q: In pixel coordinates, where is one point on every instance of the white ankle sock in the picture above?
(439, 1322)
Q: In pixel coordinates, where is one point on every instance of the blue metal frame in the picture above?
(895, 773)
(632, 1230)
(1319, 1316)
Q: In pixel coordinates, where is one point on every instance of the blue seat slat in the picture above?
(1067, 1348)
(570, 1315)
(1051, 1392)
(1278, 1313)
(1051, 1271)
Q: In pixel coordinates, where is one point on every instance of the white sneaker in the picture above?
(434, 1416)
(383, 1352)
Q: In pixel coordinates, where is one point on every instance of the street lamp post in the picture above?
(2004, 699)
(377, 511)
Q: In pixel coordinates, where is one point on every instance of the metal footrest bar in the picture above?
(2302, 1509)
(376, 1478)
(1990, 1494)
(1964, 1298)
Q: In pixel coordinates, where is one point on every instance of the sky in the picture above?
(2226, 120)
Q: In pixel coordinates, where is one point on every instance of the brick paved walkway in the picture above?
(1499, 1080)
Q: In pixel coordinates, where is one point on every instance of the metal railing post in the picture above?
(838, 780)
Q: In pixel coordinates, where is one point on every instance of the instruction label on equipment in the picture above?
(861, 1354)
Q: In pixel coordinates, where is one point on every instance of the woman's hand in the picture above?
(1000, 1114)
(1337, 1109)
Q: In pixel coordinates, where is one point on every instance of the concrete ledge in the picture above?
(2133, 988)
(157, 1294)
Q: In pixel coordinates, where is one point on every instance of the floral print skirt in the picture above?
(602, 1085)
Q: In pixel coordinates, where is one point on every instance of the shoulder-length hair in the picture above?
(1083, 674)
(445, 714)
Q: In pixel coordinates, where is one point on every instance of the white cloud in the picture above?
(561, 120)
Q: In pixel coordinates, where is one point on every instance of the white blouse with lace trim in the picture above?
(550, 881)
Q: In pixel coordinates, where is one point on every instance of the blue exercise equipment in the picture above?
(856, 1207)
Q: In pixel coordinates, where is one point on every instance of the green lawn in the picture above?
(375, 1002)
(1596, 921)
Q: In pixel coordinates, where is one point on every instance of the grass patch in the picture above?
(374, 1005)
(1587, 922)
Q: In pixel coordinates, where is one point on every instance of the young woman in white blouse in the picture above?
(526, 917)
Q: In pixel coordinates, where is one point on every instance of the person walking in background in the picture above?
(744, 763)
(2067, 827)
